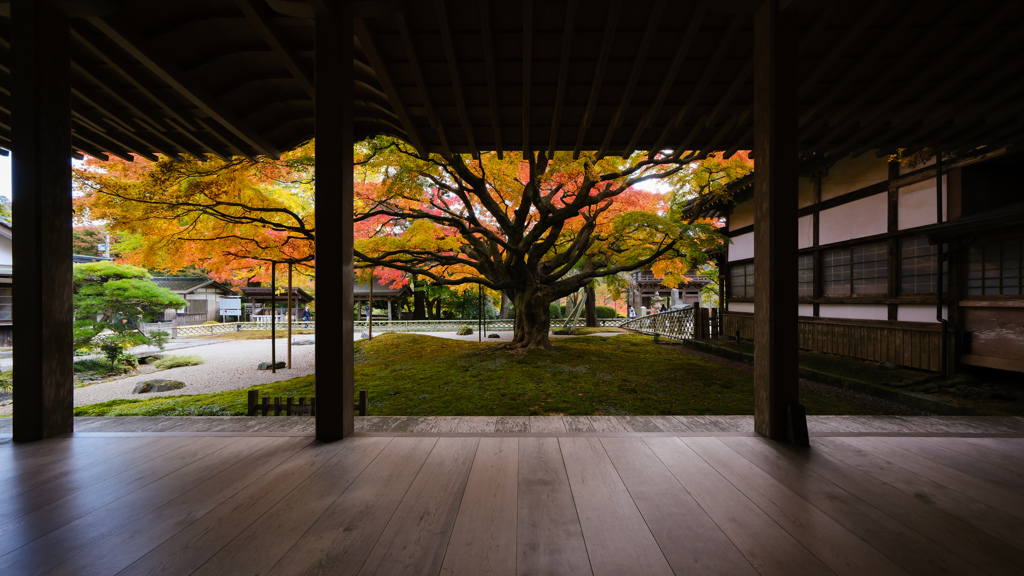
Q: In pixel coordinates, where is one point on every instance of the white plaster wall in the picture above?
(805, 193)
(6, 251)
(742, 215)
(741, 307)
(805, 309)
(916, 313)
(864, 217)
(853, 174)
(742, 247)
(854, 311)
(805, 232)
(917, 204)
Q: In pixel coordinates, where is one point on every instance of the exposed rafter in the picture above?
(162, 67)
(695, 94)
(453, 71)
(602, 63)
(370, 49)
(489, 71)
(634, 76)
(260, 18)
(563, 73)
(421, 83)
(682, 49)
(527, 73)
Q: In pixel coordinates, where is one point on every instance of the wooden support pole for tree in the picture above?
(289, 315)
(273, 317)
(41, 137)
(335, 79)
(369, 309)
(777, 412)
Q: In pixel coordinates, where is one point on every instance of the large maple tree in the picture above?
(228, 218)
(535, 227)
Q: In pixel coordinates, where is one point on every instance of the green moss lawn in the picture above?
(408, 374)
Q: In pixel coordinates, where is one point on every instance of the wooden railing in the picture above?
(453, 325)
(225, 328)
(685, 323)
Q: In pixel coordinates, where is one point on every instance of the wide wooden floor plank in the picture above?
(768, 547)
(618, 540)
(905, 547)
(341, 538)
(92, 529)
(285, 522)
(40, 522)
(836, 547)
(943, 489)
(483, 541)
(549, 540)
(132, 540)
(73, 479)
(919, 513)
(23, 467)
(414, 541)
(971, 459)
(689, 538)
(952, 470)
(190, 548)
(1002, 452)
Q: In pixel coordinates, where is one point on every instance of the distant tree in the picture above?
(5, 208)
(87, 239)
(110, 301)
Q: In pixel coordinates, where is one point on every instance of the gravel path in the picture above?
(228, 366)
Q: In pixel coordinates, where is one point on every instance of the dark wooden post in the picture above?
(41, 138)
(777, 413)
(334, 139)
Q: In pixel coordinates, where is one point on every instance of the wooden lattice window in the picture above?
(862, 270)
(6, 306)
(741, 280)
(805, 275)
(995, 269)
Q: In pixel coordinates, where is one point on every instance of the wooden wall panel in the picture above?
(911, 345)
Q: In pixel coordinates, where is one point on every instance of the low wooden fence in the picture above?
(685, 323)
(453, 325)
(195, 330)
(291, 408)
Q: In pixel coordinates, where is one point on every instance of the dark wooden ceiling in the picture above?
(229, 77)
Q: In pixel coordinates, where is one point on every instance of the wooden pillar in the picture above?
(777, 413)
(41, 138)
(334, 274)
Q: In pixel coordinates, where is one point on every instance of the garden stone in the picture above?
(150, 358)
(494, 335)
(158, 385)
(268, 365)
(464, 331)
(303, 342)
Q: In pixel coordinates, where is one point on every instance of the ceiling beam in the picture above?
(489, 70)
(384, 77)
(698, 90)
(453, 71)
(602, 63)
(132, 42)
(421, 83)
(634, 75)
(682, 49)
(260, 18)
(563, 73)
(527, 73)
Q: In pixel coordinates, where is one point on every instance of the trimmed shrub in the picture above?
(177, 362)
(606, 312)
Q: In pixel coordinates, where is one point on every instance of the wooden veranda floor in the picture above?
(684, 495)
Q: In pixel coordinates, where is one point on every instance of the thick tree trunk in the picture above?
(438, 316)
(418, 307)
(591, 306)
(533, 318)
(503, 312)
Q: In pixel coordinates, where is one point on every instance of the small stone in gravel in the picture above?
(150, 358)
(303, 342)
(268, 366)
(494, 335)
(158, 385)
